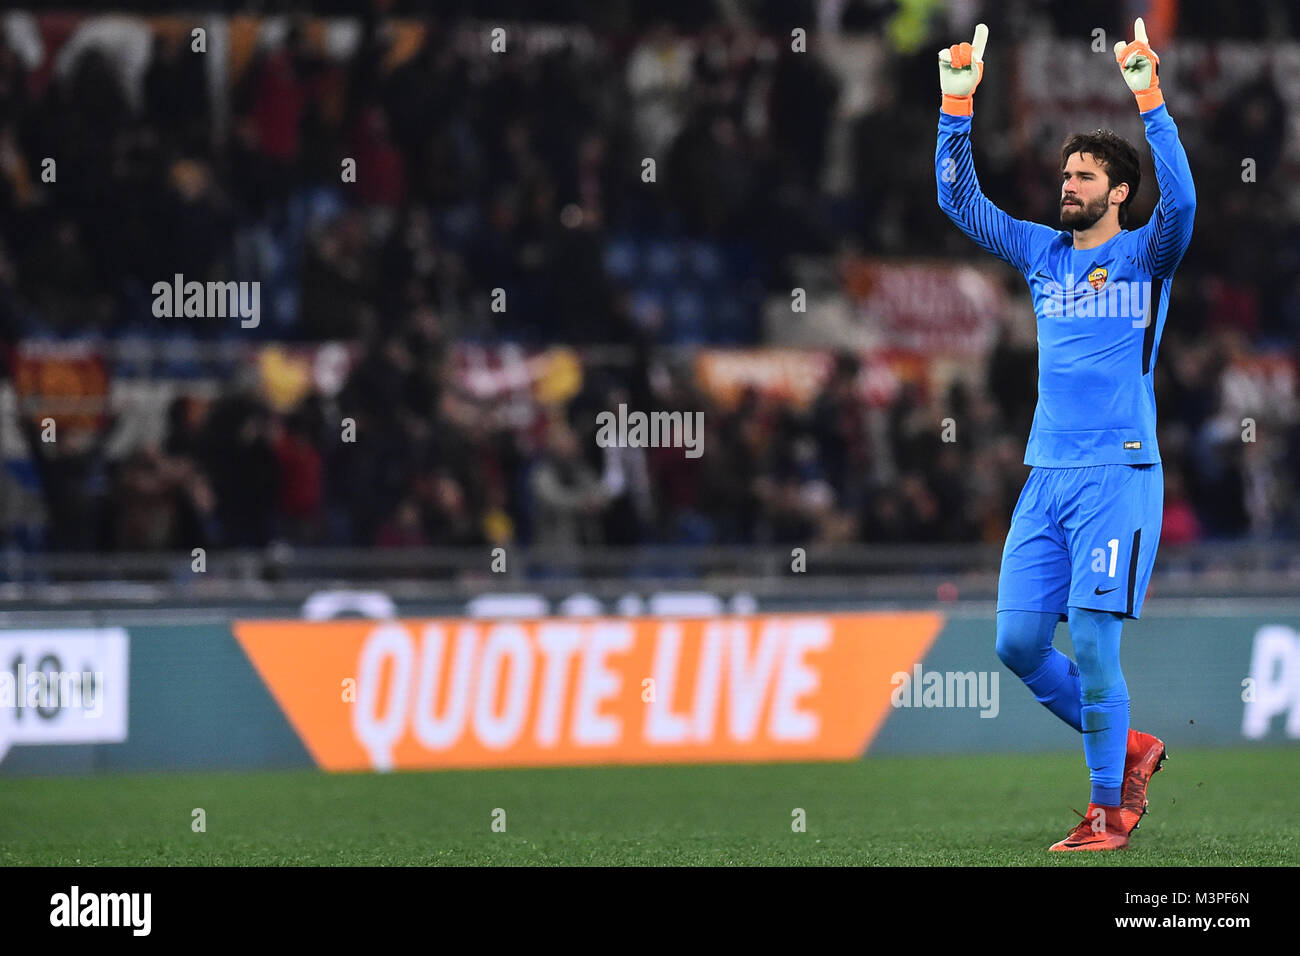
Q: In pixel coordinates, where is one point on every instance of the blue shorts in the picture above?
(1083, 537)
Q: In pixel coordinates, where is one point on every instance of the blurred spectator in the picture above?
(299, 471)
(403, 529)
(159, 504)
(1179, 524)
(239, 456)
(568, 493)
(447, 518)
(73, 475)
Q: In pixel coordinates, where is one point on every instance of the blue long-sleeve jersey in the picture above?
(1100, 311)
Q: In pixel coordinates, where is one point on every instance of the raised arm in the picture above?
(1163, 240)
(961, 67)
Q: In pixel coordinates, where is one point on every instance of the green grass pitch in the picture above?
(1208, 807)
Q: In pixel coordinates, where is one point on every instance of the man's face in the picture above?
(1085, 192)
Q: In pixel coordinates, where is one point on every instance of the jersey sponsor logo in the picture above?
(1132, 444)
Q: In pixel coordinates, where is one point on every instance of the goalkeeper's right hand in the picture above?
(961, 67)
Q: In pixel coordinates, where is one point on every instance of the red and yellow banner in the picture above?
(572, 691)
(67, 381)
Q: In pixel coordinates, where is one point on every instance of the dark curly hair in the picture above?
(1114, 154)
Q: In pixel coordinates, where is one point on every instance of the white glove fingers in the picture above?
(977, 45)
(1140, 30)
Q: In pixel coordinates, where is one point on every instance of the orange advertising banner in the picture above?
(442, 693)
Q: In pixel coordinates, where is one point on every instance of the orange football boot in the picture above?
(1106, 834)
(1145, 755)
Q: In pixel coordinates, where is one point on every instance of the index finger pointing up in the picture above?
(981, 38)
(1140, 31)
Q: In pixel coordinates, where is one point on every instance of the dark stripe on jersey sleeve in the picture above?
(967, 206)
(1169, 232)
(1149, 333)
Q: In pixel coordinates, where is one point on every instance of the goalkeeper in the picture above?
(1085, 529)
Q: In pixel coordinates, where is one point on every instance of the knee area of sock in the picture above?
(1009, 647)
(1095, 636)
(1024, 639)
(1100, 674)
(1020, 650)
(1089, 656)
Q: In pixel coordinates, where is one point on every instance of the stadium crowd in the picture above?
(516, 172)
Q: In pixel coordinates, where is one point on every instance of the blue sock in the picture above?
(1025, 646)
(1105, 701)
(1055, 685)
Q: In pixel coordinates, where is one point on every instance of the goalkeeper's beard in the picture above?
(1084, 216)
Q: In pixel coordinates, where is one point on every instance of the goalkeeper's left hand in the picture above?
(1138, 62)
